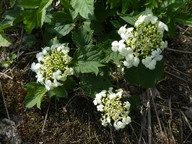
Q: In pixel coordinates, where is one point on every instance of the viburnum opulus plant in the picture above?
(142, 43)
(52, 68)
(114, 111)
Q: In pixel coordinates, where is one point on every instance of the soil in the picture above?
(165, 117)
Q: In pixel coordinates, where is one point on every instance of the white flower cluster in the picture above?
(113, 110)
(52, 67)
(143, 43)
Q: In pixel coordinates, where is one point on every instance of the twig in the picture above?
(186, 120)
(149, 93)
(3, 74)
(158, 120)
(45, 119)
(169, 122)
(176, 76)
(179, 51)
(4, 102)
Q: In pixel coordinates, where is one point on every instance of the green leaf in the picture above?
(83, 36)
(142, 76)
(4, 41)
(35, 94)
(62, 24)
(184, 19)
(92, 84)
(87, 53)
(29, 4)
(84, 7)
(58, 92)
(108, 54)
(66, 4)
(12, 3)
(87, 67)
(35, 18)
(9, 19)
(132, 17)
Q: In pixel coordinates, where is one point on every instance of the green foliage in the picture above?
(84, 7)
(9, 19)
(143, 77)
(87, 67)
(58, 92)
(92, 84)
(83, 36)
(61, 23)
(35, 94)
(35, 16)
(89, 27)
(4, 41)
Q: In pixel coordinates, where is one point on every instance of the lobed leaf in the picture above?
(88, 67)
(84, 7)
(35, 94)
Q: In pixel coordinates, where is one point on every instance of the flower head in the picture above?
(52, 67)
(141, 42)
(113, 110)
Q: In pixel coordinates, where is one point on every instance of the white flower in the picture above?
(127, 64)
(153, 19)
(35, 67)
(162, 26)
(113, 109)
(108, 120)
(104, 122)
(112, 96)
(122, 30)
(119, 125)
(129, 58)
(152, 64)
(100, 107)
(164, 45)
(127, 104)
(129, 30)
(45, 50)
(126, 120)
(140, 20)
(136, 61)
(56, 83)
(146, 61)
(40, 78)
(115, 46)
(40, 56)
(57, 75)
(48, 85)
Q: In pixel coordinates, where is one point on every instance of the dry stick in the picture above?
(169, 121)
(158, 120)
(180, 51)
(45, 118)
(3, 74)
(176, 76)
(186, 120)
(149, 94)
(4, 102)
